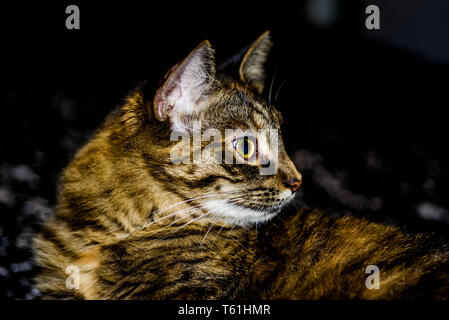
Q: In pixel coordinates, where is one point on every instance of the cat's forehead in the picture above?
(238, 104)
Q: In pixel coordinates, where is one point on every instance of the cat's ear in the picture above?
(186, 85)
(252, 68)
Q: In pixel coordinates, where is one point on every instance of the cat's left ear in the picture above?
(186, 86)
(252, 68)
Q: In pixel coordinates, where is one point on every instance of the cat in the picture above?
(132, 222)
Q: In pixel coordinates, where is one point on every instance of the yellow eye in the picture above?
(245, 147)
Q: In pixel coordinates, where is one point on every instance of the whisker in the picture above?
(185, 201)
(188, 200)
(238, 242)
(230, 232)
(191, 210)
(271, 85)
(257, 206)
(215, 239)
(244, 201)
(172, 214)
(279, 90)
(194, 209)
(280, 218)
(186, 224)
(208, 231)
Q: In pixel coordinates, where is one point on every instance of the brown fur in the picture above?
(123, 214)
(319, 255)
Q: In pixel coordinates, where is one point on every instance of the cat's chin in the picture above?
(240, 215)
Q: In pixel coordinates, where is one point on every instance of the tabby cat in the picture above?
(135, 225)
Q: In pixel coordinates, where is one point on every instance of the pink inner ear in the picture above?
(165, 89)
(184, 85)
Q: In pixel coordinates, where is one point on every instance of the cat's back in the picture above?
(315, 254)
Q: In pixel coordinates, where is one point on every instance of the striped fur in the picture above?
(140, 227)
(316, 254)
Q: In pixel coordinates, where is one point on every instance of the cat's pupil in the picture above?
(245, 146)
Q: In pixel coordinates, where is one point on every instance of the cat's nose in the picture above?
(293, 184)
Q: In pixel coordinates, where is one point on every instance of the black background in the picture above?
(364, 109)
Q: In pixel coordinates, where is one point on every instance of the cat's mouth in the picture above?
(263, 208)
(245, 213)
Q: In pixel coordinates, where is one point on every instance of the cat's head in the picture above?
(237, 168)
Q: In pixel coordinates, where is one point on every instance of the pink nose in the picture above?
(293, 184)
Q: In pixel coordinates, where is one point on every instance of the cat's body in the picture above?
(137, 226)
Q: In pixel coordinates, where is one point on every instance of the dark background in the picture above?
(364, 109)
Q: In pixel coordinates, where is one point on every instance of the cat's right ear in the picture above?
(186, 85)
(252, 70)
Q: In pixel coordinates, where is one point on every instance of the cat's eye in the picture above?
(245, 146)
